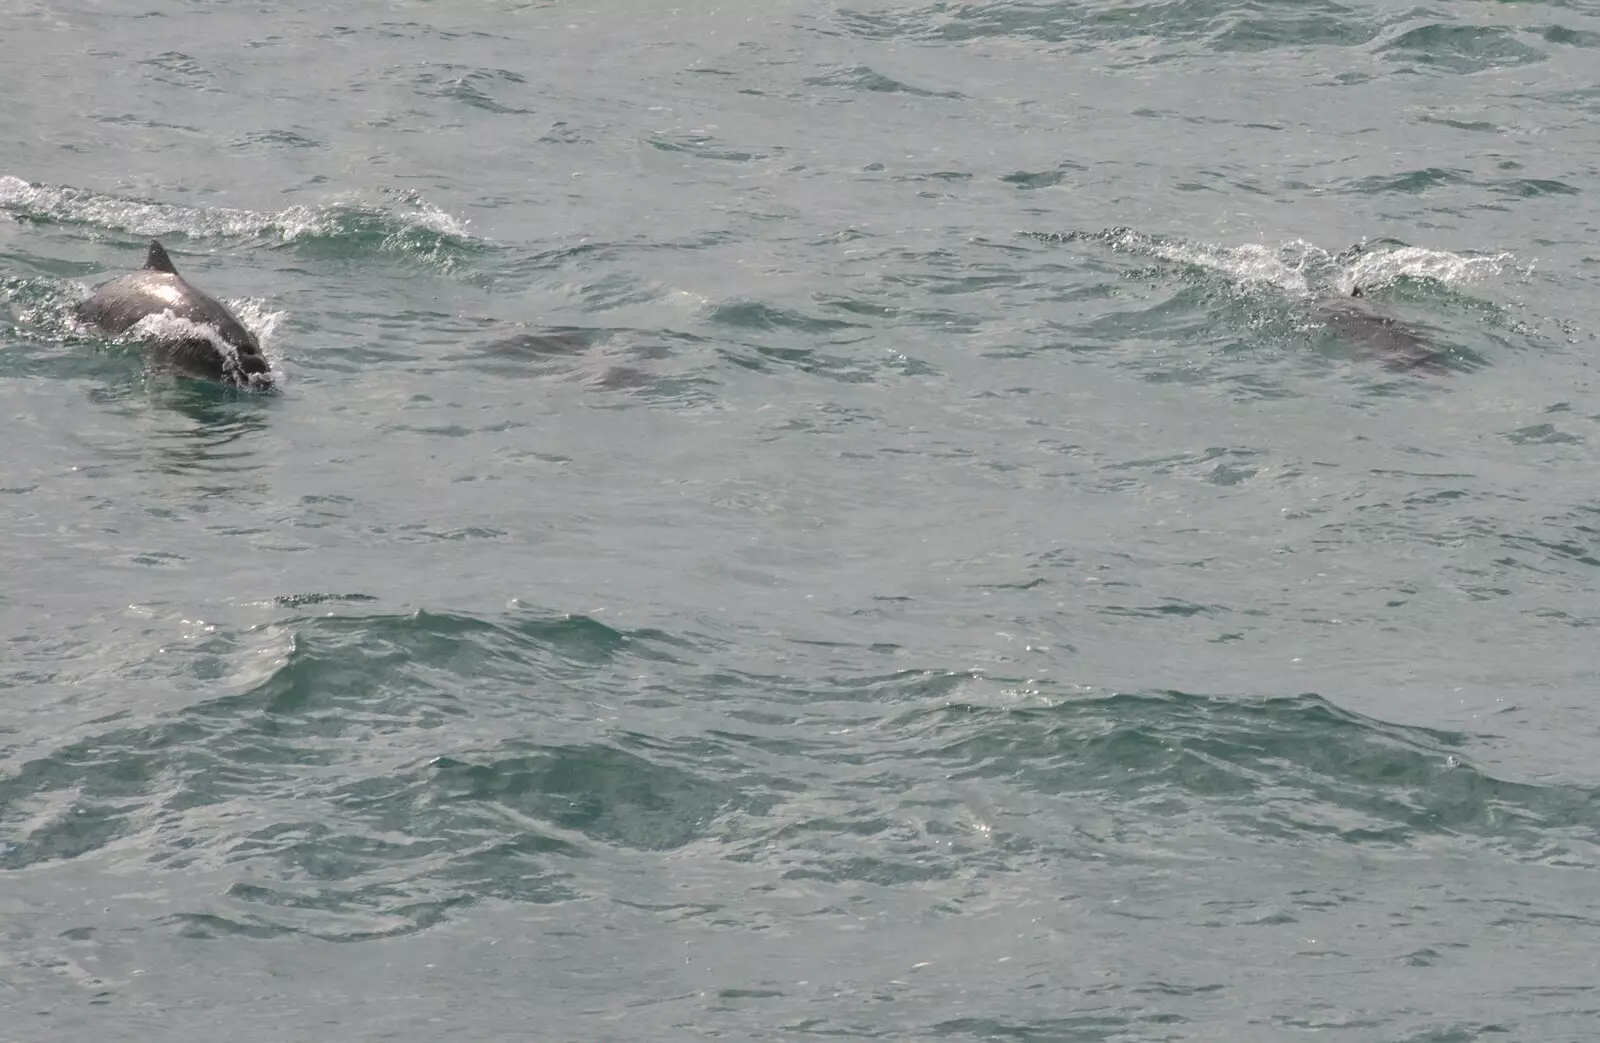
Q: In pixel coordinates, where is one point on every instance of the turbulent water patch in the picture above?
(407, 224)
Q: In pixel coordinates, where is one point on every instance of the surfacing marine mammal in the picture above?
(198, 336)
(1365, 324)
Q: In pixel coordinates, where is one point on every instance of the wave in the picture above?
(403, 223)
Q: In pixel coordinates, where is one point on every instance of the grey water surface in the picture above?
(805, 519)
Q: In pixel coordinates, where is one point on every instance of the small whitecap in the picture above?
(252, 311)
(146, 218)
(1248, 263)
(1385, 266)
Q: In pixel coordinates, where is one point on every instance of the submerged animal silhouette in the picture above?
(1361, 322)
(209, 342)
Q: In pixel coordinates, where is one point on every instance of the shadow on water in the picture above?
(571, 352)
(452, 819)
(544, 345)
(188, 428)
(604, 359)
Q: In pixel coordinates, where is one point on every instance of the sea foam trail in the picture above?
(395, 223)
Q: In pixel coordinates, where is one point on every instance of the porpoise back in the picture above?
(230, 353)
(1364, 324)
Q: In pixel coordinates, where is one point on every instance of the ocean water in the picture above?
(805, 519)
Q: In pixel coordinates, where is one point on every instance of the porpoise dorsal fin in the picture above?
(157, 260)
(1355, 291)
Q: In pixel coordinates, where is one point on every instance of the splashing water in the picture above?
(408, 214)
(167, 326)
(1384, 267)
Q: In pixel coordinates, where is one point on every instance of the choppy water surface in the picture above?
(805, 520)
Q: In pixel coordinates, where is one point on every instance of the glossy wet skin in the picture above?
(157, 289)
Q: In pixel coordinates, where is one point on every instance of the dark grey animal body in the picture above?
(569, 350)
(158, 289)
(1363, 323)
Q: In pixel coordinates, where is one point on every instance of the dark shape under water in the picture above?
(1377, 331)
(539, 345)
(568, 350)
(208, 341)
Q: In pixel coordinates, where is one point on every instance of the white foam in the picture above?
(1385, 266)
(128, 215)
(154, 219)
(1302, 268)
(1249, 263)
(251, 311)
(434, 218)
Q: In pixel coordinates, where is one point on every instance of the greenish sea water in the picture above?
(805, 520)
